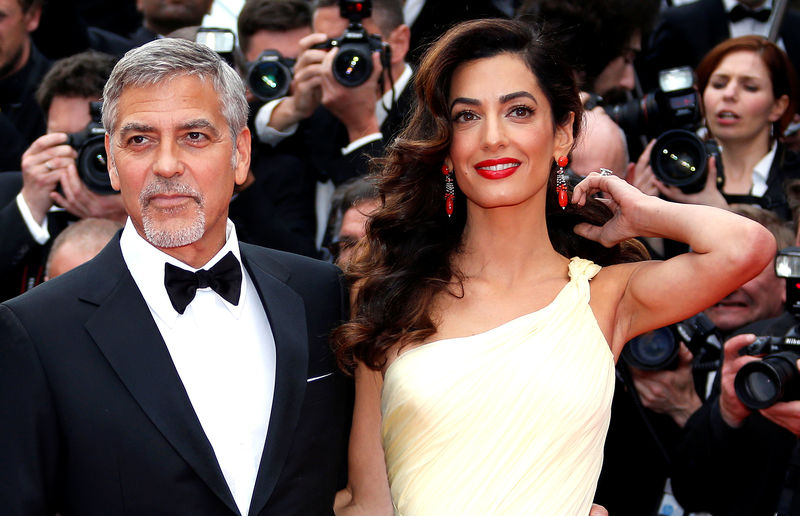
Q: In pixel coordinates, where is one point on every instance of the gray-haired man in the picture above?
(132, 384)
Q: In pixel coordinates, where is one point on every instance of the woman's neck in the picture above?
(505, 244)
(740, 157)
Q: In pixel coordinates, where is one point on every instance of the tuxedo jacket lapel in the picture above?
(127, 335)
(286, 313)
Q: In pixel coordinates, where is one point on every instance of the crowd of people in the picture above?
(399, 257)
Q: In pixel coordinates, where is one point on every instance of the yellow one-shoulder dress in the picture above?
(510, 421)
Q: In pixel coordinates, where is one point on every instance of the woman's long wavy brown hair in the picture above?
(406, 258)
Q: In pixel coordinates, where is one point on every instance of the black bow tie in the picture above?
(224, 278)
(740, 12)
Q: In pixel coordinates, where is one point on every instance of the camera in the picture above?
(658, 350)
(92, 162)
(679, 158)
(762, 383)
(270, 75)
(221, 41)
(675, 105)
(353, 64)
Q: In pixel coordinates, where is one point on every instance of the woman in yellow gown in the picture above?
(482, 337)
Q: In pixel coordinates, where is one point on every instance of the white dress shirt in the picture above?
(224, 355)
(749, 25)
(272, 136)
(761, 172)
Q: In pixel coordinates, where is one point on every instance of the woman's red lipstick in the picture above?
(497, 168)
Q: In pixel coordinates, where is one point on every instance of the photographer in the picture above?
(749, 95)
(734, 461)
(337, 126)
(38, 203)
(603, 57)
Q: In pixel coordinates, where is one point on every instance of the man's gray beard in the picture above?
(164, 238)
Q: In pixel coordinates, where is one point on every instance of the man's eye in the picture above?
(196, 136)
(137, 140)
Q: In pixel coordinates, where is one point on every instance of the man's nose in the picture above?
(167, 160)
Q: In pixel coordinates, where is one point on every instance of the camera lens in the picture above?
(269, 79)
(92, 166)
(353, 64)
(679, 158)
(652, 351)
(761, 383)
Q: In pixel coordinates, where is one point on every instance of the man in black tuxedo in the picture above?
(135, 385)
(685, 33)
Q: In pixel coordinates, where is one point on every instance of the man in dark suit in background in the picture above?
(685, 33)
(179, 372)
(38, 202)
(21, 69)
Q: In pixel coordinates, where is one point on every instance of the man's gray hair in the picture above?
(166, 58)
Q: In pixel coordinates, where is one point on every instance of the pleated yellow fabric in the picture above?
(509, 421)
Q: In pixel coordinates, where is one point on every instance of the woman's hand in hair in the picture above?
(630, 208)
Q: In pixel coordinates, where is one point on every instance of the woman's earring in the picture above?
(561, 181)
(449, 191)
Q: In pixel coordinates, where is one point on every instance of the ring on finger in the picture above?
(606, 172)
(48, 165)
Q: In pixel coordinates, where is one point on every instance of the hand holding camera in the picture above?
(770, 384)
(354, 106)
(42, 163)
(670, 391)
(342, 73)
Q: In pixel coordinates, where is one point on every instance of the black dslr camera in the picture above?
(762, 383)
(92, 162)
(270, 75)
(679, 158)
(353, 64)
(658, 350)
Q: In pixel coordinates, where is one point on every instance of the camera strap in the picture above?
(386, 63)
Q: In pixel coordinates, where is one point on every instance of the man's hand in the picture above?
(304, 92)
(82, 202)
(42, 165)
(669, 392)
(731, 408)
(354, 107)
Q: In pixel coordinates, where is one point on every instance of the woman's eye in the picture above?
(465, 116)
(521, 111)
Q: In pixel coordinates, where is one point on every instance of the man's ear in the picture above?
(242, 151)
(400, 41)
(32, 18)
(113, 176)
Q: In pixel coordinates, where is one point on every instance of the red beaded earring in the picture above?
(561, 181)
(449, 191)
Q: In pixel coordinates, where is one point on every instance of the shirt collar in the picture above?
(761, 171)
(387, 100)
(729, 4)
(146, 264)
